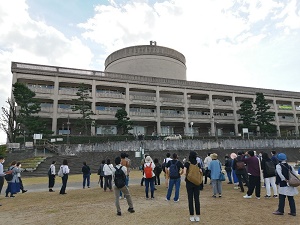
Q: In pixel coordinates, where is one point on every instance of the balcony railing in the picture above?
(142, 98)
(144, 114)
(171, 115)
(110, 95)
(41, 90)
(106, 112)
(218, 102)
(174, 100)
(199, 102)
(198, 116)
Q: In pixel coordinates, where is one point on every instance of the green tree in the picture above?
(3, 150)
(82, 105)
(263, 116)
(27, 109)
(247, 114)
(123, 122)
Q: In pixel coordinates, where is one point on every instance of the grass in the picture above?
(93, 206)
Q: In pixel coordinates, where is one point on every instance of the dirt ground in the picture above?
(94, 206)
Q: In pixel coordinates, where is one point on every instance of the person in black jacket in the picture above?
(269, 177)
(86, 171)
(228, 168)
(240, 173)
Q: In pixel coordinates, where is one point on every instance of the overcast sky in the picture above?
(254, 43)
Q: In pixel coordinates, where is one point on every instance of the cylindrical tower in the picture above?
(147, 60)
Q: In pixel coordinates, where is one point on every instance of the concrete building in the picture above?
(149, 82)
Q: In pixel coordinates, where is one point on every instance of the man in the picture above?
(253, 167)
(51, 176)
(125, 162)
(165, 162)
(173, 167)
(228, 168)
(123, 189)
(274, 157)
(2, 174)
(207, 160)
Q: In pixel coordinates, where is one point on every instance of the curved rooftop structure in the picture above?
(147, 60)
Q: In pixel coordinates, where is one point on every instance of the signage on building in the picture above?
(285, 107)
(298, 107)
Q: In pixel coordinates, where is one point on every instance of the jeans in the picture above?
(229, 176)
(149, 181)
(108, 182)
(217, 186)
(254, 182)
(64, 180)
(173, 182)
(86, 178)
(282, 203)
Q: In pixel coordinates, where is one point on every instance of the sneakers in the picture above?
(275, 196)
(120, 197)
(119, 213)
(131, 210)
(277, 213)
(267, 196)
(257, 197)
(176, 200)
(292, 214)
(214, 196)
(197, 218)
(247, 196)
(192, 219)
(167, 199)
(24, 191)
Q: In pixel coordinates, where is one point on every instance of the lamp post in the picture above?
(192, 123)
(24, 134)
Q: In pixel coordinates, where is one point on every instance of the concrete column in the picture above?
(211, 109)
(276, 118)
(93, 128)
(186, 112)
(127, 99)
(295, 118)
(55, 105)
(158, 119)
(236, 123)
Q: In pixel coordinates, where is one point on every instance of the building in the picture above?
(149, 82)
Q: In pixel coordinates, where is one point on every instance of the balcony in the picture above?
(171, 101)
(143, 114)
(198, 102)
(222, 103)
(287, 119)
(172, 115)
(224, 117)
(110, 95)
(142, 98)
(199, 116)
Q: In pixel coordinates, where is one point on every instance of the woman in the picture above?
(86, 173)
(108, 171)
(269, 178)
(13, 186)
(241, 171)
(149, 181)
(19, 165)
(215, 168)
(65, 170)
(284, 189)
(101, 173)
(157, 172)
(193, 190)
(51, 176)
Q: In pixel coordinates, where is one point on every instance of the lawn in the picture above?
(94, 206)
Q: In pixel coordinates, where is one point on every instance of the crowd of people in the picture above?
(243, 169)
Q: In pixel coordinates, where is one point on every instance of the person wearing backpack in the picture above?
(51, 176)
(193, 190)
(163, 166)
(86, 175)
(119, 174)
(2, 173)
(228, 168)
(157, 172)
(149, 176)
(240, 171)
(173, 167)
(13, 186)
(284, 189)
(268, 168)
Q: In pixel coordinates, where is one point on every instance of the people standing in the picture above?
(101, 173)
(86, 175)
(19, 165)
(284, 189)
(165, 162)
(215, 170)
(207, 160)
(122, 188)
(173, 166)
(253, 168)
(157, 171)
(13, 186)
(240, 171)
(269, 175)
(228, 168)
(125, 162)
(193, 190)
(51, 176)
(149, 179)
(108, 171)
(2, 173)
(65, 170)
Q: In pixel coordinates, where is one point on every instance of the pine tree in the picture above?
(82, 105)
(247, 114)
(123, 123)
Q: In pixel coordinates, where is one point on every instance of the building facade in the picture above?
(158, 101)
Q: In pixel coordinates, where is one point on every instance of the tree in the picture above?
(27, 108)
(8, 120)
(263, 116)
(123, 123)
(84, 107)
(247, 115)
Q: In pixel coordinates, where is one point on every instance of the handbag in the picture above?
(293, 180)
(221, 176)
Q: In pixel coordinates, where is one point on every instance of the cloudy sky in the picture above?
(253, 43)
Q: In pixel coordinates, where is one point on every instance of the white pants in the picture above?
(270, 181)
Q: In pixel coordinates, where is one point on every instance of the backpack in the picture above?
(173, 170)
(240, 165)
(270, 168)
(194, 175)
(148, 171)
(9, 175)
(158, 168)
(120, 177)
(60, 172)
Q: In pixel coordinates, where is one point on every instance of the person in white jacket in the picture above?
(149, 165)
(108, 172)
(65, 170)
